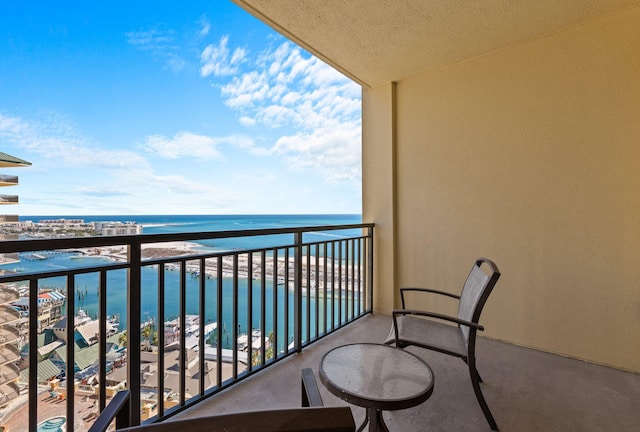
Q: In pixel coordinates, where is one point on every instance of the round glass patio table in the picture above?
(376, 377)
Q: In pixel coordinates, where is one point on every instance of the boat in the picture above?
(256, 341)
(82, 318)
(114, 320)
(34, 256)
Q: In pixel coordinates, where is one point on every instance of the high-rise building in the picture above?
(9, 334)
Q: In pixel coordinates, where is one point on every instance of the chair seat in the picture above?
(441, 337)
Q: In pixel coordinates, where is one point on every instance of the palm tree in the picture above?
(122, 339)
(147, 331)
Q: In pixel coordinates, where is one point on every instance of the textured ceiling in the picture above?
(377, 41)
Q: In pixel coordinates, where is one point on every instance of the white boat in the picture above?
(114, 320)
(256, 341)
(82, 318)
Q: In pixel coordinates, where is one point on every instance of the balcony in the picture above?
(8, 295)
(8, 315)
(8, 180)
(8, 392)
(8, 199)
(10, 258)
(527, 390)
(9, 219)
(8, 335)
(8, 373)
(226, 315)
(8, 354)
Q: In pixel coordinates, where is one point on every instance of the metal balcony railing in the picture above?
(217, 317)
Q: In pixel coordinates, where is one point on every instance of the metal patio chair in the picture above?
(312, 417)
(457, 337)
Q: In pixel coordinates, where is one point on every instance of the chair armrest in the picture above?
(310, 393)
(117, 409)
(425, 290)
(452, 319)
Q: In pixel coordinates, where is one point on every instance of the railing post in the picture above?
(70, 348)
(133, 328)
(33, 355)
(297, 295)
(102, 356)
(370, 269)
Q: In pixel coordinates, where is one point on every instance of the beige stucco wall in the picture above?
(529, 156)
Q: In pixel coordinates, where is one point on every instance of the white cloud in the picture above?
(243, 91)
(290, 98)
(141, 180)
(286, 88)
(247, 121)
(56, 139)
(126, 181)
(219, 61)
(190, 145)
(183, 144)
(150, 39)
(205, 26)
(160, 44)
(333, 152)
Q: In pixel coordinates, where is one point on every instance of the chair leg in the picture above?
(475, 382)
(478, 374)
(464, 359)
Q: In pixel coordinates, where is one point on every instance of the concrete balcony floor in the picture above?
(527, 390)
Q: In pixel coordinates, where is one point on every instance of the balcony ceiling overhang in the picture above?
(379, 41)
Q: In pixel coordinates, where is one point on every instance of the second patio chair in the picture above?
(456, 337)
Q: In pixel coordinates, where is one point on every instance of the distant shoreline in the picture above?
(180, 248)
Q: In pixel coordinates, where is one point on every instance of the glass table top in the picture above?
(380, 374)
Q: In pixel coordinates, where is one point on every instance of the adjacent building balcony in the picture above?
(8, 354)
(8, 315)
(8, 373)
(8, 294)
(9, 258)
(8, 392)
(8, 180)
(9, 335)
(8, 199)
(12, 219)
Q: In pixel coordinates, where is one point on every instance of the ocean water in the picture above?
(86, 285)
(163, 224)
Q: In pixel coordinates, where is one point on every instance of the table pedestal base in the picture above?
(375, 421)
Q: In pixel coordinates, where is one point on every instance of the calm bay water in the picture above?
(86, 294)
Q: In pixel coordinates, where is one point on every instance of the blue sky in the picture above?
(158, 107)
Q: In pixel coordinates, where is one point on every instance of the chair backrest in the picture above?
(314, 419)
(475, 292)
